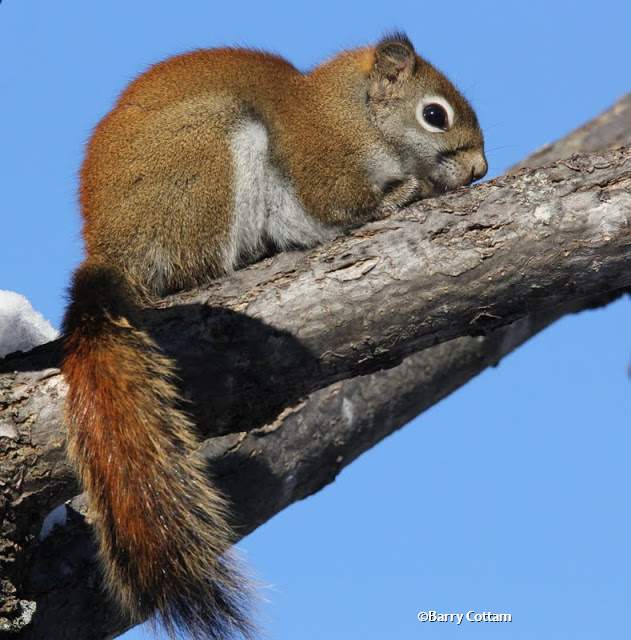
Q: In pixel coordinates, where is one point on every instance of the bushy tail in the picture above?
(162, 528)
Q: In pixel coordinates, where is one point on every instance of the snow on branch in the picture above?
(21, 327)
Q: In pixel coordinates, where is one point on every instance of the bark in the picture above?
(359, 335)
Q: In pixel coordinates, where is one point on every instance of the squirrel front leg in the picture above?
(403, 194)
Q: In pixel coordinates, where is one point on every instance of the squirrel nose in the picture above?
(479, 167)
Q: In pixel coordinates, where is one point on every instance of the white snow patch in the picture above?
(21, 327)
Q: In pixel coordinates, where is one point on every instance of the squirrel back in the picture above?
(208, 161)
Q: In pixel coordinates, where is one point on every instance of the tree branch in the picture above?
(329, 337)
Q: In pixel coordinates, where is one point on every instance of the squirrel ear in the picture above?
(395, 59)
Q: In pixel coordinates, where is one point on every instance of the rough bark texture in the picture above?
(341, 336)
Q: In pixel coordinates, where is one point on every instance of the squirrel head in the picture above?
(420, 113)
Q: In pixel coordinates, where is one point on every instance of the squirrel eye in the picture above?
(435, 116)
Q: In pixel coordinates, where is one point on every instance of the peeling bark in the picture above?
(361, 335)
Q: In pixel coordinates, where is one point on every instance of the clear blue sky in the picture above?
(512, 494)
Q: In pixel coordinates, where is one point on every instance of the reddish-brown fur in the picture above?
(175, 105)
(162, 529)
(158, 202)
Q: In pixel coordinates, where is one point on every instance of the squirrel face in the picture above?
(431, 125)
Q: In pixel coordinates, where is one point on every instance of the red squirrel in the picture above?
(208, 161)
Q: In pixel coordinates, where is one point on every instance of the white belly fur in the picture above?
(266, 208)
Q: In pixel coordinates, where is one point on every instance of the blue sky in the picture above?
(511, 495)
